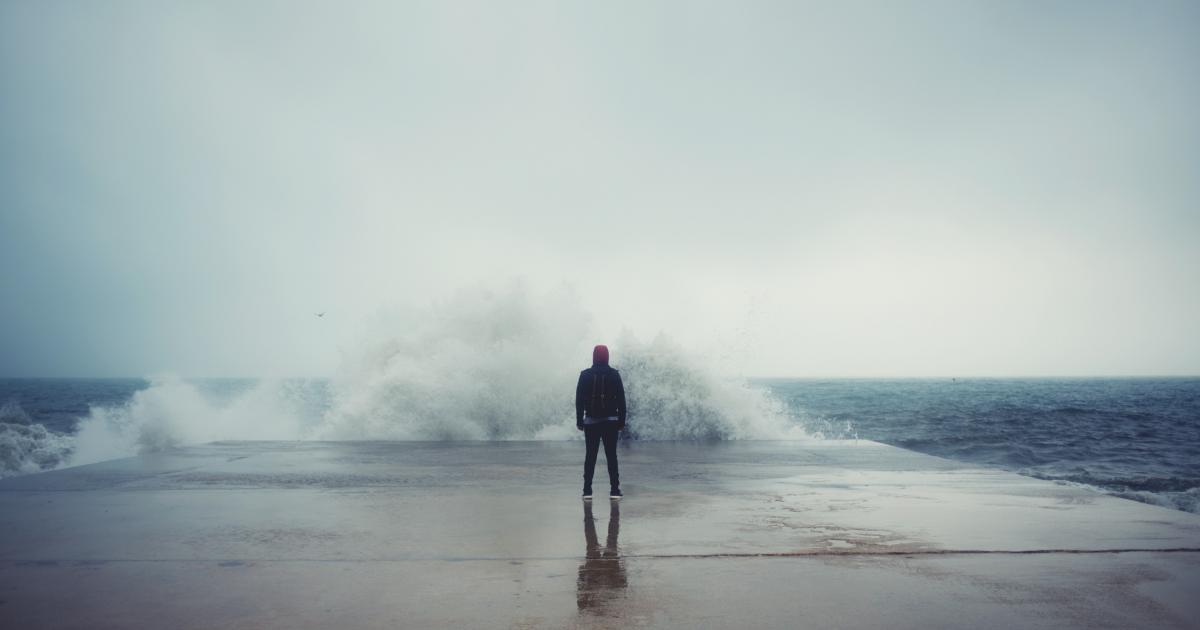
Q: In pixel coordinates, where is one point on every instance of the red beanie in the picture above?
(600, 355)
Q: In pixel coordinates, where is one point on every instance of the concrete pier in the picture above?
(494, 535)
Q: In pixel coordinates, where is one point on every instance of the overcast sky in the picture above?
(834, 189)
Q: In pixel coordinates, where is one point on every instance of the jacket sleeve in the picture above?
(620, 397)
(579, 402)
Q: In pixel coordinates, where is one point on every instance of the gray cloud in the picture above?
(861, 189)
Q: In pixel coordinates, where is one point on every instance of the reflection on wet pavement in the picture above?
(602, 573)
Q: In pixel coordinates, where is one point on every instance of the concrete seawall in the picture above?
(493, 535)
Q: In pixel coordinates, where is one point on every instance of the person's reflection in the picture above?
(602, 573)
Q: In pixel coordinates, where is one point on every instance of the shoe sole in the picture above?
(615, 498)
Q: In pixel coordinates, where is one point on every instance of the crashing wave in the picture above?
(27, 447)
(673, 395)
(481, 365)
(173, 412)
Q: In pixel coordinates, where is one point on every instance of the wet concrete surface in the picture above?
(494, 535)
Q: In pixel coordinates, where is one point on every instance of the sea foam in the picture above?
(482, 364)
(27, 447)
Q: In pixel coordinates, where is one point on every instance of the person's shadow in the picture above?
(602, 573)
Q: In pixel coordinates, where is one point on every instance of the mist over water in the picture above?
(480, 365)
(487, 365)
(502, 365)
(173, 412)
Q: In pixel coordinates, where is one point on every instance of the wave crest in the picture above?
(481, 365)
(27, 447)
(673, 395)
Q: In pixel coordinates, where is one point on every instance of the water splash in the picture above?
(27, 447)
(173, 412)
(676, 395)
(482, 364)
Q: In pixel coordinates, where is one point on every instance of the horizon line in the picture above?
(749, 377)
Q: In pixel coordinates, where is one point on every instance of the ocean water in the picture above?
(1136, 438)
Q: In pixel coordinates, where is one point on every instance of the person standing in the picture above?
(600, 414)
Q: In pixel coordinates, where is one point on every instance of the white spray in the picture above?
(480, 365)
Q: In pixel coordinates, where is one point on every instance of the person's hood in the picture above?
(600, 355)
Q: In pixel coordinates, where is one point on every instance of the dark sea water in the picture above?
(1136, 438)
(60, 404)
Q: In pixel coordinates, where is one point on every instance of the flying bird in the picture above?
(321, 314)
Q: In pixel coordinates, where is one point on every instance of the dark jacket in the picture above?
(600, 394)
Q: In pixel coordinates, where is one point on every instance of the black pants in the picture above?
(593, 434)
